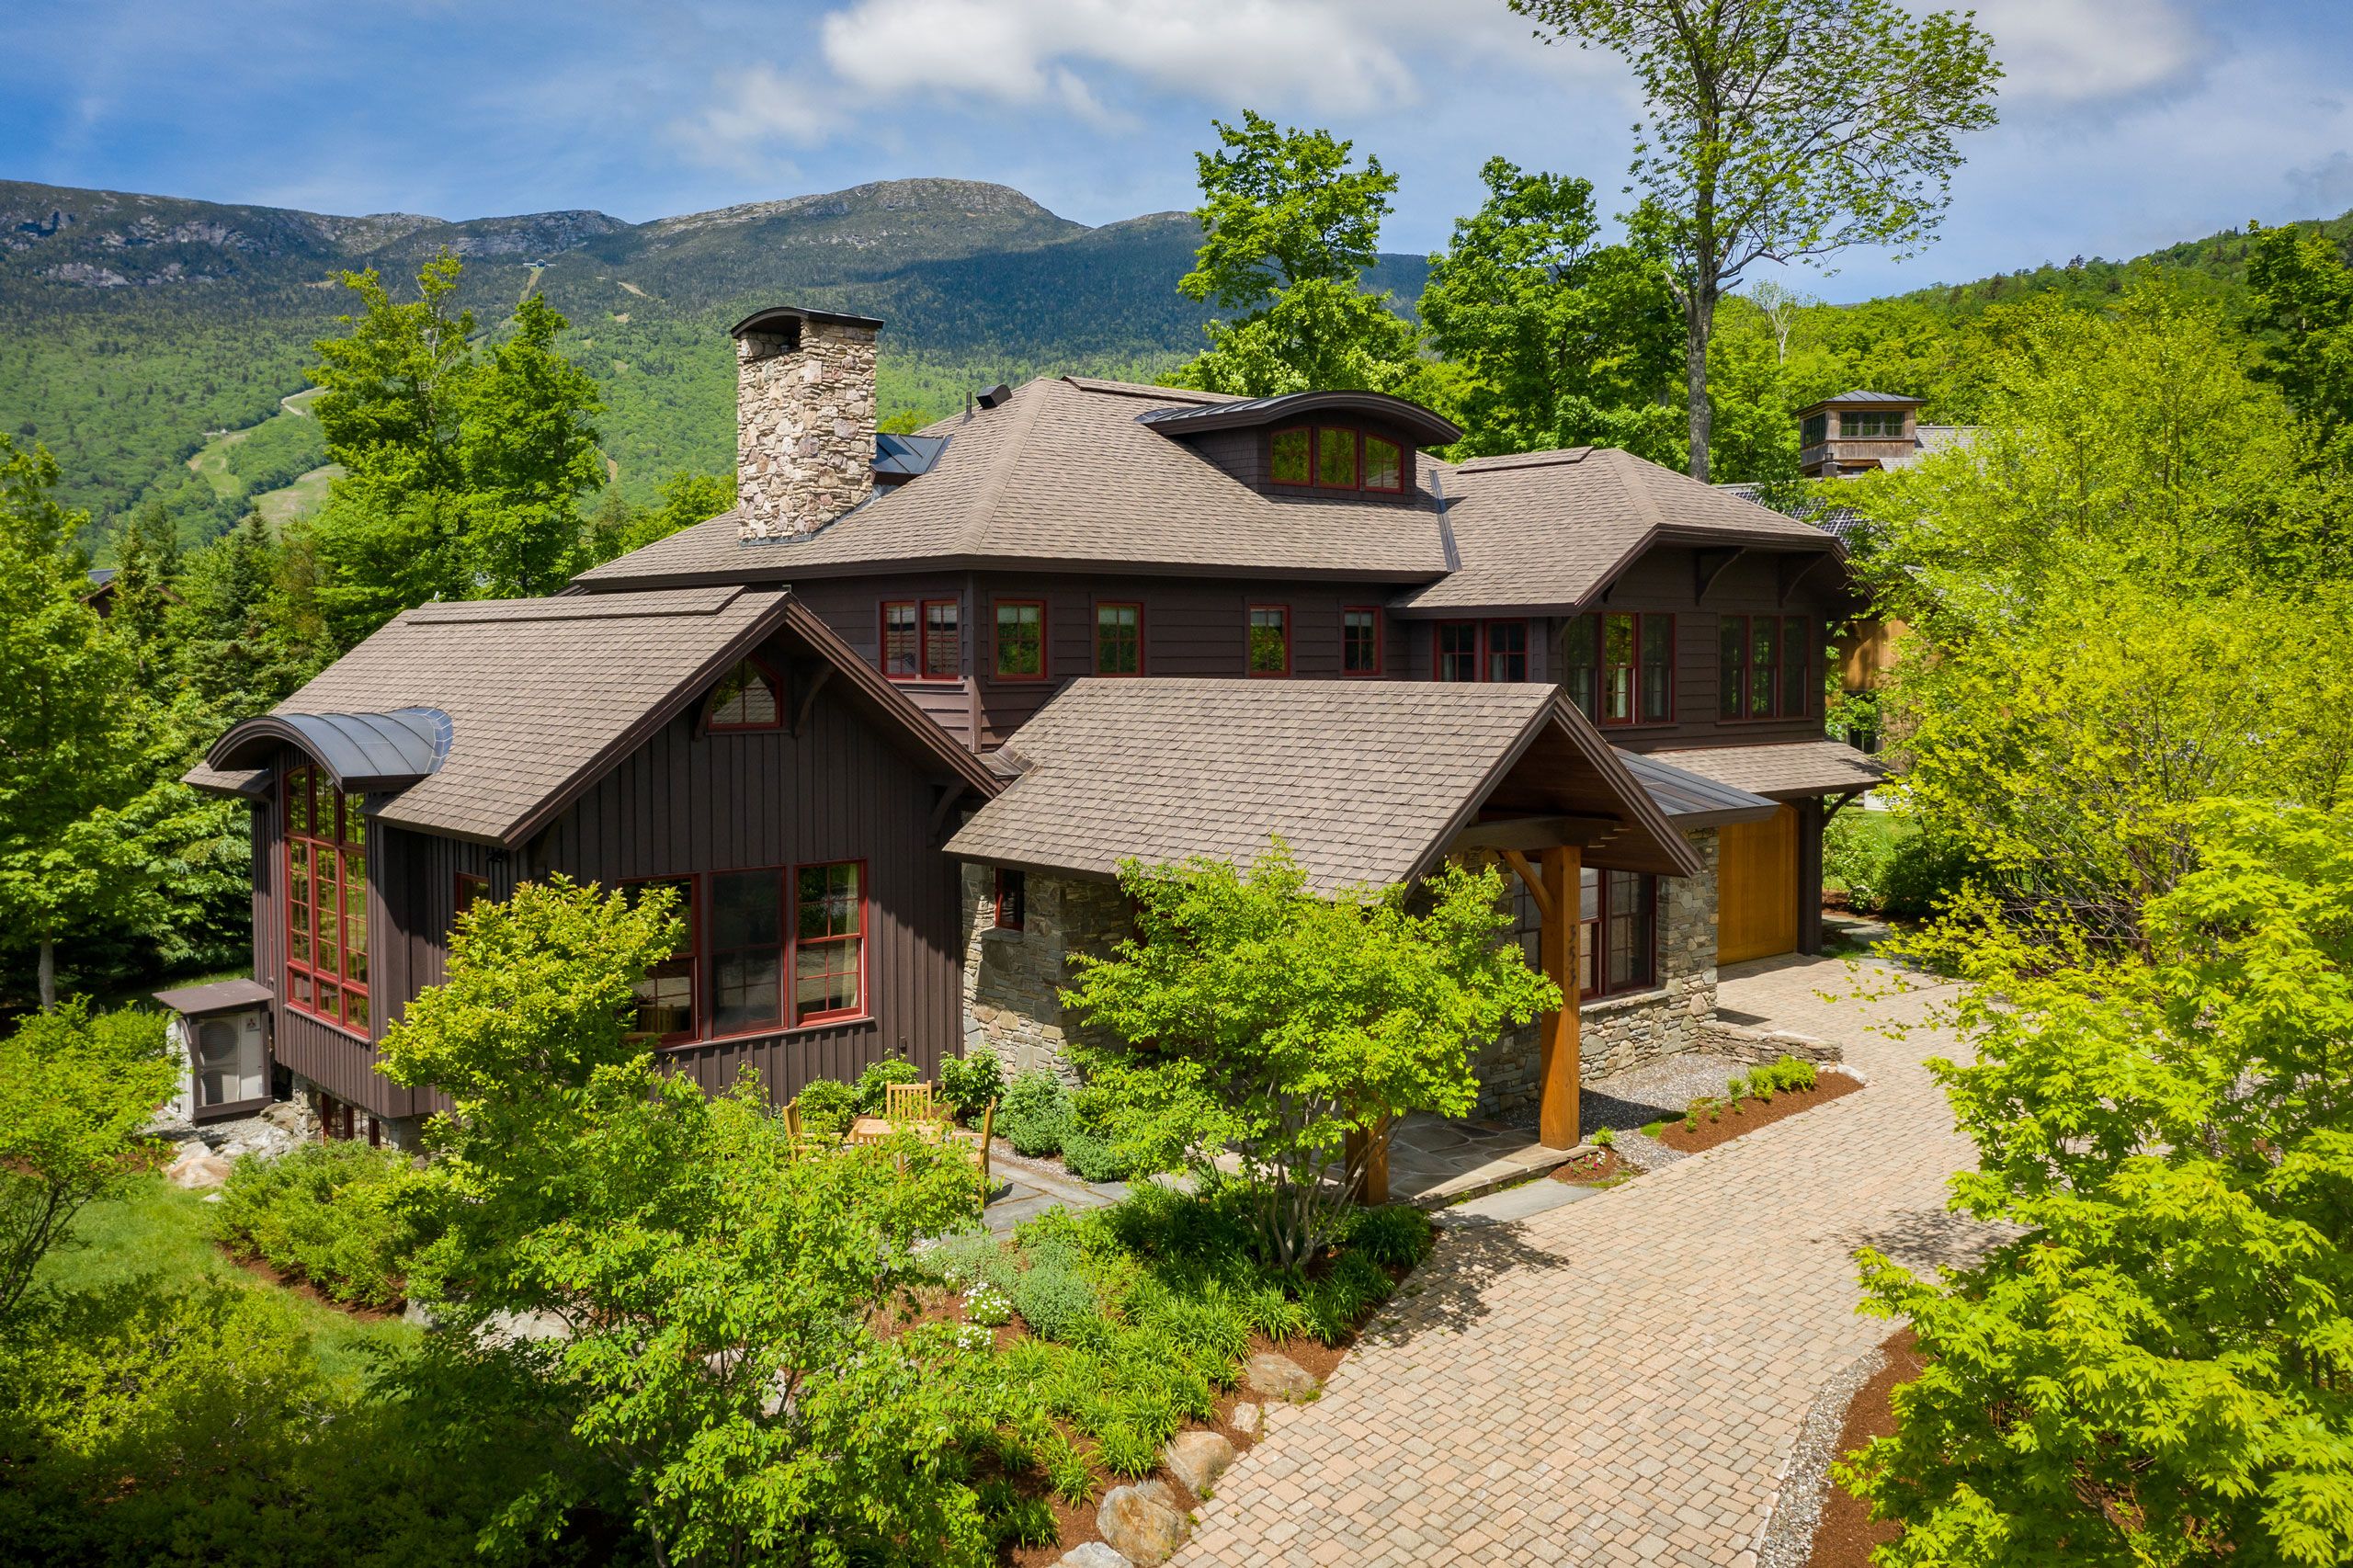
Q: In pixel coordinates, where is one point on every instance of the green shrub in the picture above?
(1210, 1330)
(827, 1106)
(969, 1082)
(1603, 1138)
(1794, 1072)
(1123, 1450)
(1067, 1470)
(961, 1258)
(324, 1212)
(1271, 1311)
(1093, 1157)
(1923, 873)
(1034, 1115)
(1856, 853)
(879, 1076)
(1055, 1300)
(1394, 1235)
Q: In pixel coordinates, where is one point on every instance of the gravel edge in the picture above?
(1787, 1541)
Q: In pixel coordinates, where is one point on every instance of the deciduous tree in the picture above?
(1782, 130)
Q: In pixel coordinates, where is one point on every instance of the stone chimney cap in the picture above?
(769, 320)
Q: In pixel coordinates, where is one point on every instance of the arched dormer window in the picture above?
(1335, 457)
(749, 699)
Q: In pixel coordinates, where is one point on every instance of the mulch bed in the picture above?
(1848, 1533)
(1730, 1122)
(1593, 1170)
(300, 1283)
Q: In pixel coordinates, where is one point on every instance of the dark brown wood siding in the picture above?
(852, 610)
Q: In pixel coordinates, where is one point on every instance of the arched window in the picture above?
(747, 700)
(327, 900)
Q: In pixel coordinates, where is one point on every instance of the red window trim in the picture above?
(1634, 719)
(1600, 923)
(1019, 921)
(858, 1009)
(1356, 458)
(336, 844)
(1249, 626)
(1364, 441)
(1045, 642)
(776, 690)
(1307, 483)
(1780, 670)
(692, 955)
(1355, 485)
(698, 954)
(1482, 647)
(922, 608)
(463, 900)
(1141, 665)
(1380, 641)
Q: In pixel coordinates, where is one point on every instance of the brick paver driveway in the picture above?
(1621, 1379)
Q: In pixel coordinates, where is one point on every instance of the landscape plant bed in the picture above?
(1711, 1120)
(1846, 1533)
(300, 1284)
(1600, 1168)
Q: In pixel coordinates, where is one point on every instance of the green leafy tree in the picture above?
(1569, 341)
(1250, 1015)
(241, 646)
(2303, 300)
(147, 560)
(2157, 1366)
(1783, 131)
(1288, 227)
(75, 1091)
(716, 1291)
(684, 499)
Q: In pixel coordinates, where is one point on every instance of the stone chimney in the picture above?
(804, 420)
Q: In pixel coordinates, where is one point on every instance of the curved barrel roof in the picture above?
(362, 752)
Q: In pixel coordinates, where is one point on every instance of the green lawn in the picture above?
(154, 1228)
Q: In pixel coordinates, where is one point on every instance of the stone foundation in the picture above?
(300, 1115)
(1012, 978)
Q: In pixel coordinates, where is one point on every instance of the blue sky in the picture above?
(2126, 123)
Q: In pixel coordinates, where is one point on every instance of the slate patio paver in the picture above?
(1620, 1379)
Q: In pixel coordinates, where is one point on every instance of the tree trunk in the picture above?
(48, 974)
(1699, 324)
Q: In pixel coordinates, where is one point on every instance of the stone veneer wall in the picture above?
(403, 1132)
(1011, 978)
(804, 427)
(1620, 1032)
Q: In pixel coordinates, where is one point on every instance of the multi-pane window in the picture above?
(1620, 669)
(746, 950)
(666, 998)
(472, 890)
(1269, 640)
(1334, 456)
(747, 699)
(1766, 666)
(327, 900)
(1617, 931)
(919, 639)
(1020, 640)
(1360, 641)
(1118, 640)
(1870, 427)
(1816, 430)
(1012, 899)
(1480, 650)
(828, 941)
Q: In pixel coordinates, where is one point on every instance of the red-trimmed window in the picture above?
(1012, 899)
(749, 699)
(1020, 640)
(1118, 639)
(1291, 457)
(666, 998)
(1765, 667)
(1336, 467)
(1269, 640)
(1335, 457)
(829, 941)
(919, 639)
(1360, 640)
(1385, 465)
(1620, 669)
(1616, 932)
(472, 890)
(1480, 651)
(746, 950)
(327, 901)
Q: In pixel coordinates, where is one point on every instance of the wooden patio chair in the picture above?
(793, 1135)
(906, 1102)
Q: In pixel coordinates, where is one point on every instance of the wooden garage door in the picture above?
(1757, 888)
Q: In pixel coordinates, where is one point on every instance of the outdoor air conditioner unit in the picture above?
(222, 1033)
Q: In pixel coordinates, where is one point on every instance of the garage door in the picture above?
(1757, 888)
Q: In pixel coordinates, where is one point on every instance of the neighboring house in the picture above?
(1086, 621)
(100, 596)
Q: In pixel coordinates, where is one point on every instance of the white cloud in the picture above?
(753, 109)
(2075, 51)
(2326, 188)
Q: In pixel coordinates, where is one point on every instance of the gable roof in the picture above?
(1782, 769)
(1366, 781)
(541, 697)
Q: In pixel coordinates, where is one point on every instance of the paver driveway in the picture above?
(1621, 1379)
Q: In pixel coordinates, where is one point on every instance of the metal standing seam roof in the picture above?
(1781, 771)
(1692, 799)
(1365, 781)
(542, 694)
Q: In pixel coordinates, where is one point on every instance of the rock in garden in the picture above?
(198, 1166)
(1092, 1554)
(1249, 1419)
(1278, 1377)
(1141, 1523)
(1197, 1458)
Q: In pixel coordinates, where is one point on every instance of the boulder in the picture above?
(1141, 1523)
(1197, 1458)
(1092, 1554)
(198, 1166)
(1249, 1419)
(1278, 1376)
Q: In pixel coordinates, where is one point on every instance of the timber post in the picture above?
(1556, 1117)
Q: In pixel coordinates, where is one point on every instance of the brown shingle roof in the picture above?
(1780, 770)
(542, 694)
(1366, 781)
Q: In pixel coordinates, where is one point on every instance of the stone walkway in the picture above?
(1621, 1379)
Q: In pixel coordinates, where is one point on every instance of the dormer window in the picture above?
(1870, 427)
(1335, 457)
(747, 699)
